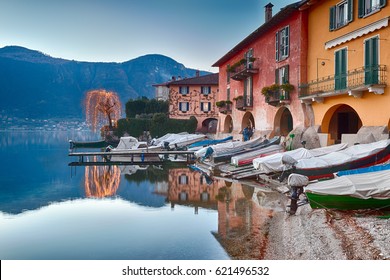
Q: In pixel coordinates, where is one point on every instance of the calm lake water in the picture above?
(49, 210)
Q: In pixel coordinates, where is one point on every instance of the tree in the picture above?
(101, 104)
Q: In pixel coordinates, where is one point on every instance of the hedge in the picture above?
(158, 126)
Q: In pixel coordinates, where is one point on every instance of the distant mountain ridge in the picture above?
(33, 84)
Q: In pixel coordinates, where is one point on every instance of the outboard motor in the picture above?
(288, 165)
(296, 182)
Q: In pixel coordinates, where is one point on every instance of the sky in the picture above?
(195, 33)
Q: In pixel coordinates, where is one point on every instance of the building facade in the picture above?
(261, 74)
(195, 97)
(347, 65)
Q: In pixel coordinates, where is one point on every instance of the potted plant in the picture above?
(220, 103)
(239, 102)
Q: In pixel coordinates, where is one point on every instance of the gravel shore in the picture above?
(328, 235)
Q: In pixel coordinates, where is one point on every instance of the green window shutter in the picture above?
(332, 18)
(201, 106)
(382, 3)
(361, 8)
(277, 76)
(287, 41)
(286, 75)
(350, 10)
(277, 46)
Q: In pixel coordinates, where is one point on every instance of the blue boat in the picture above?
(372, 168)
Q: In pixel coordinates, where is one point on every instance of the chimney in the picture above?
(197, 73)
(268, 12)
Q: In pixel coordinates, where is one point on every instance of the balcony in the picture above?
(354, 83)
(244, 70)
(277, 98)
(244, 103)
(225, 109)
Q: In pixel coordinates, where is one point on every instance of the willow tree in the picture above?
(101, 105)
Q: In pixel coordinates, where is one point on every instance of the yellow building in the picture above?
(347, 66)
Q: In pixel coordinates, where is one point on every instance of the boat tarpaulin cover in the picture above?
(364, 186)
(273, 163)
(340, 157)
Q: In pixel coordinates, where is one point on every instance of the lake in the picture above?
(51, 211)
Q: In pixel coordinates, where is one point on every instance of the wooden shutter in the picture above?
(286, 75)
(350, 10)
(332, 18)
(361, 8)
(287, 41)
(277, 46)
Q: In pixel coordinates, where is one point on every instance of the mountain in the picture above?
(35, 85)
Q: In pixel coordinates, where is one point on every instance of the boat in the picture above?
(184, 141)
(373, 168)
(275, 163)
(208, 142)
(369, 190)
(177, 141)
(248, 157)
(130, 149)
(91, 144)
(225, 151)
(357, 156)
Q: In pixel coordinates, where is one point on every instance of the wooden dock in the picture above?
(148, 157)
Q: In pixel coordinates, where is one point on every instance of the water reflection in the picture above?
(43, 204)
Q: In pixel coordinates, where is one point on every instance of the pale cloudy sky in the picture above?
(193, 32)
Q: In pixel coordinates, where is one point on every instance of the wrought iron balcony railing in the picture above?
(245, 70)
(359, 79)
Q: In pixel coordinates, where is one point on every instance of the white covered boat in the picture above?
(369, 190)
(247, 158)
(177, 140)
(273, 163)
(227, 150)
(133, 147)
(356, 156)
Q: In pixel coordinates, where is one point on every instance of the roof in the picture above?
(211, 79)
(283, 14)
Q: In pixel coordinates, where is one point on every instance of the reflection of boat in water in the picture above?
(132, 169)
(131, 144)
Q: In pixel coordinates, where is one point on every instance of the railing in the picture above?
(359, 78)
(245, 70)
(276, 97)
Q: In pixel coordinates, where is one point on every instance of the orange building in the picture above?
(195, 97)
(261, 74)
(347, 67)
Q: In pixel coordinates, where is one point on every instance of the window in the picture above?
(282, 41)
(205, 106)
(371, 61)
(340, 77)
(184, 106)
(367, 7)
(205, 90)
(341, 14)
(184, 90)
(281, 75)
(183, 179)
(249, 59)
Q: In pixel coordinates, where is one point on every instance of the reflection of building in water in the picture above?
(188, 187)
(243, 223)
(102, 181)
